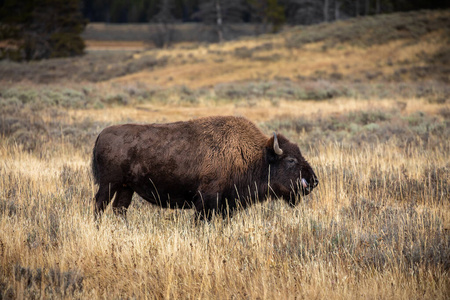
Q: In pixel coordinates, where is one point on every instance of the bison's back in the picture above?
(130, 150)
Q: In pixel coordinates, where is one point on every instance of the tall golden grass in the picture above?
(371, 125)
(376, 227)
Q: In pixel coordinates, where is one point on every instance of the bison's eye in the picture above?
(291, 161)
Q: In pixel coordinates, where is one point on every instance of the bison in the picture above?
(212, 164)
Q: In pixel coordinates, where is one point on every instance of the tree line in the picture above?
(37, 29)
(276, 11)
(219, 14)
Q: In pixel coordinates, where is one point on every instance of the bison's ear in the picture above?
(273, 148)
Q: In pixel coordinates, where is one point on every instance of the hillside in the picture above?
(411, 47)
(394, 48)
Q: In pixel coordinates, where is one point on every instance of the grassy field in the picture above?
(369, 110)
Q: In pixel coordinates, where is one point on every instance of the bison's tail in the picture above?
(94, 163)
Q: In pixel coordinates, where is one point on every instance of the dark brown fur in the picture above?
(211, 164)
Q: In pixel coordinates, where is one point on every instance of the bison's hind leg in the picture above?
(123, 199)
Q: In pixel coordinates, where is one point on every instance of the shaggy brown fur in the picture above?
(212, 164)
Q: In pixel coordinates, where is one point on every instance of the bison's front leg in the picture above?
(207, 205)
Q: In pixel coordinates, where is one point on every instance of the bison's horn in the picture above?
(276, 147)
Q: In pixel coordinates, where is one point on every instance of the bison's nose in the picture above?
(315, 182)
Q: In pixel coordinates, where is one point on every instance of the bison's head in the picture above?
(290, 173)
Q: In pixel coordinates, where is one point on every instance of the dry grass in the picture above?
(377, 227)
(201, 68)
(95, 45)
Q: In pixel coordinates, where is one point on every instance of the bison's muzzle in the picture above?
(306, 187)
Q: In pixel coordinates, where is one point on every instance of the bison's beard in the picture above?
(287, 194)
(291, 194)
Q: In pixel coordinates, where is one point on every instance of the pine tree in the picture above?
(37, 29)
(267, 12)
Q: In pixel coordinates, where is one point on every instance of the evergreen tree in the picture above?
(267, 12)
(37, 29)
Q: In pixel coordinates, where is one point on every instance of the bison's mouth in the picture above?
(299, 187)
(306, 187)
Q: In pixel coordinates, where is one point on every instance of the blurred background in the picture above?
(54, 28)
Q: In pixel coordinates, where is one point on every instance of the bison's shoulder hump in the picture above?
(239, 125)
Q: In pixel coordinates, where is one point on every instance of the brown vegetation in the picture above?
(377, 226)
